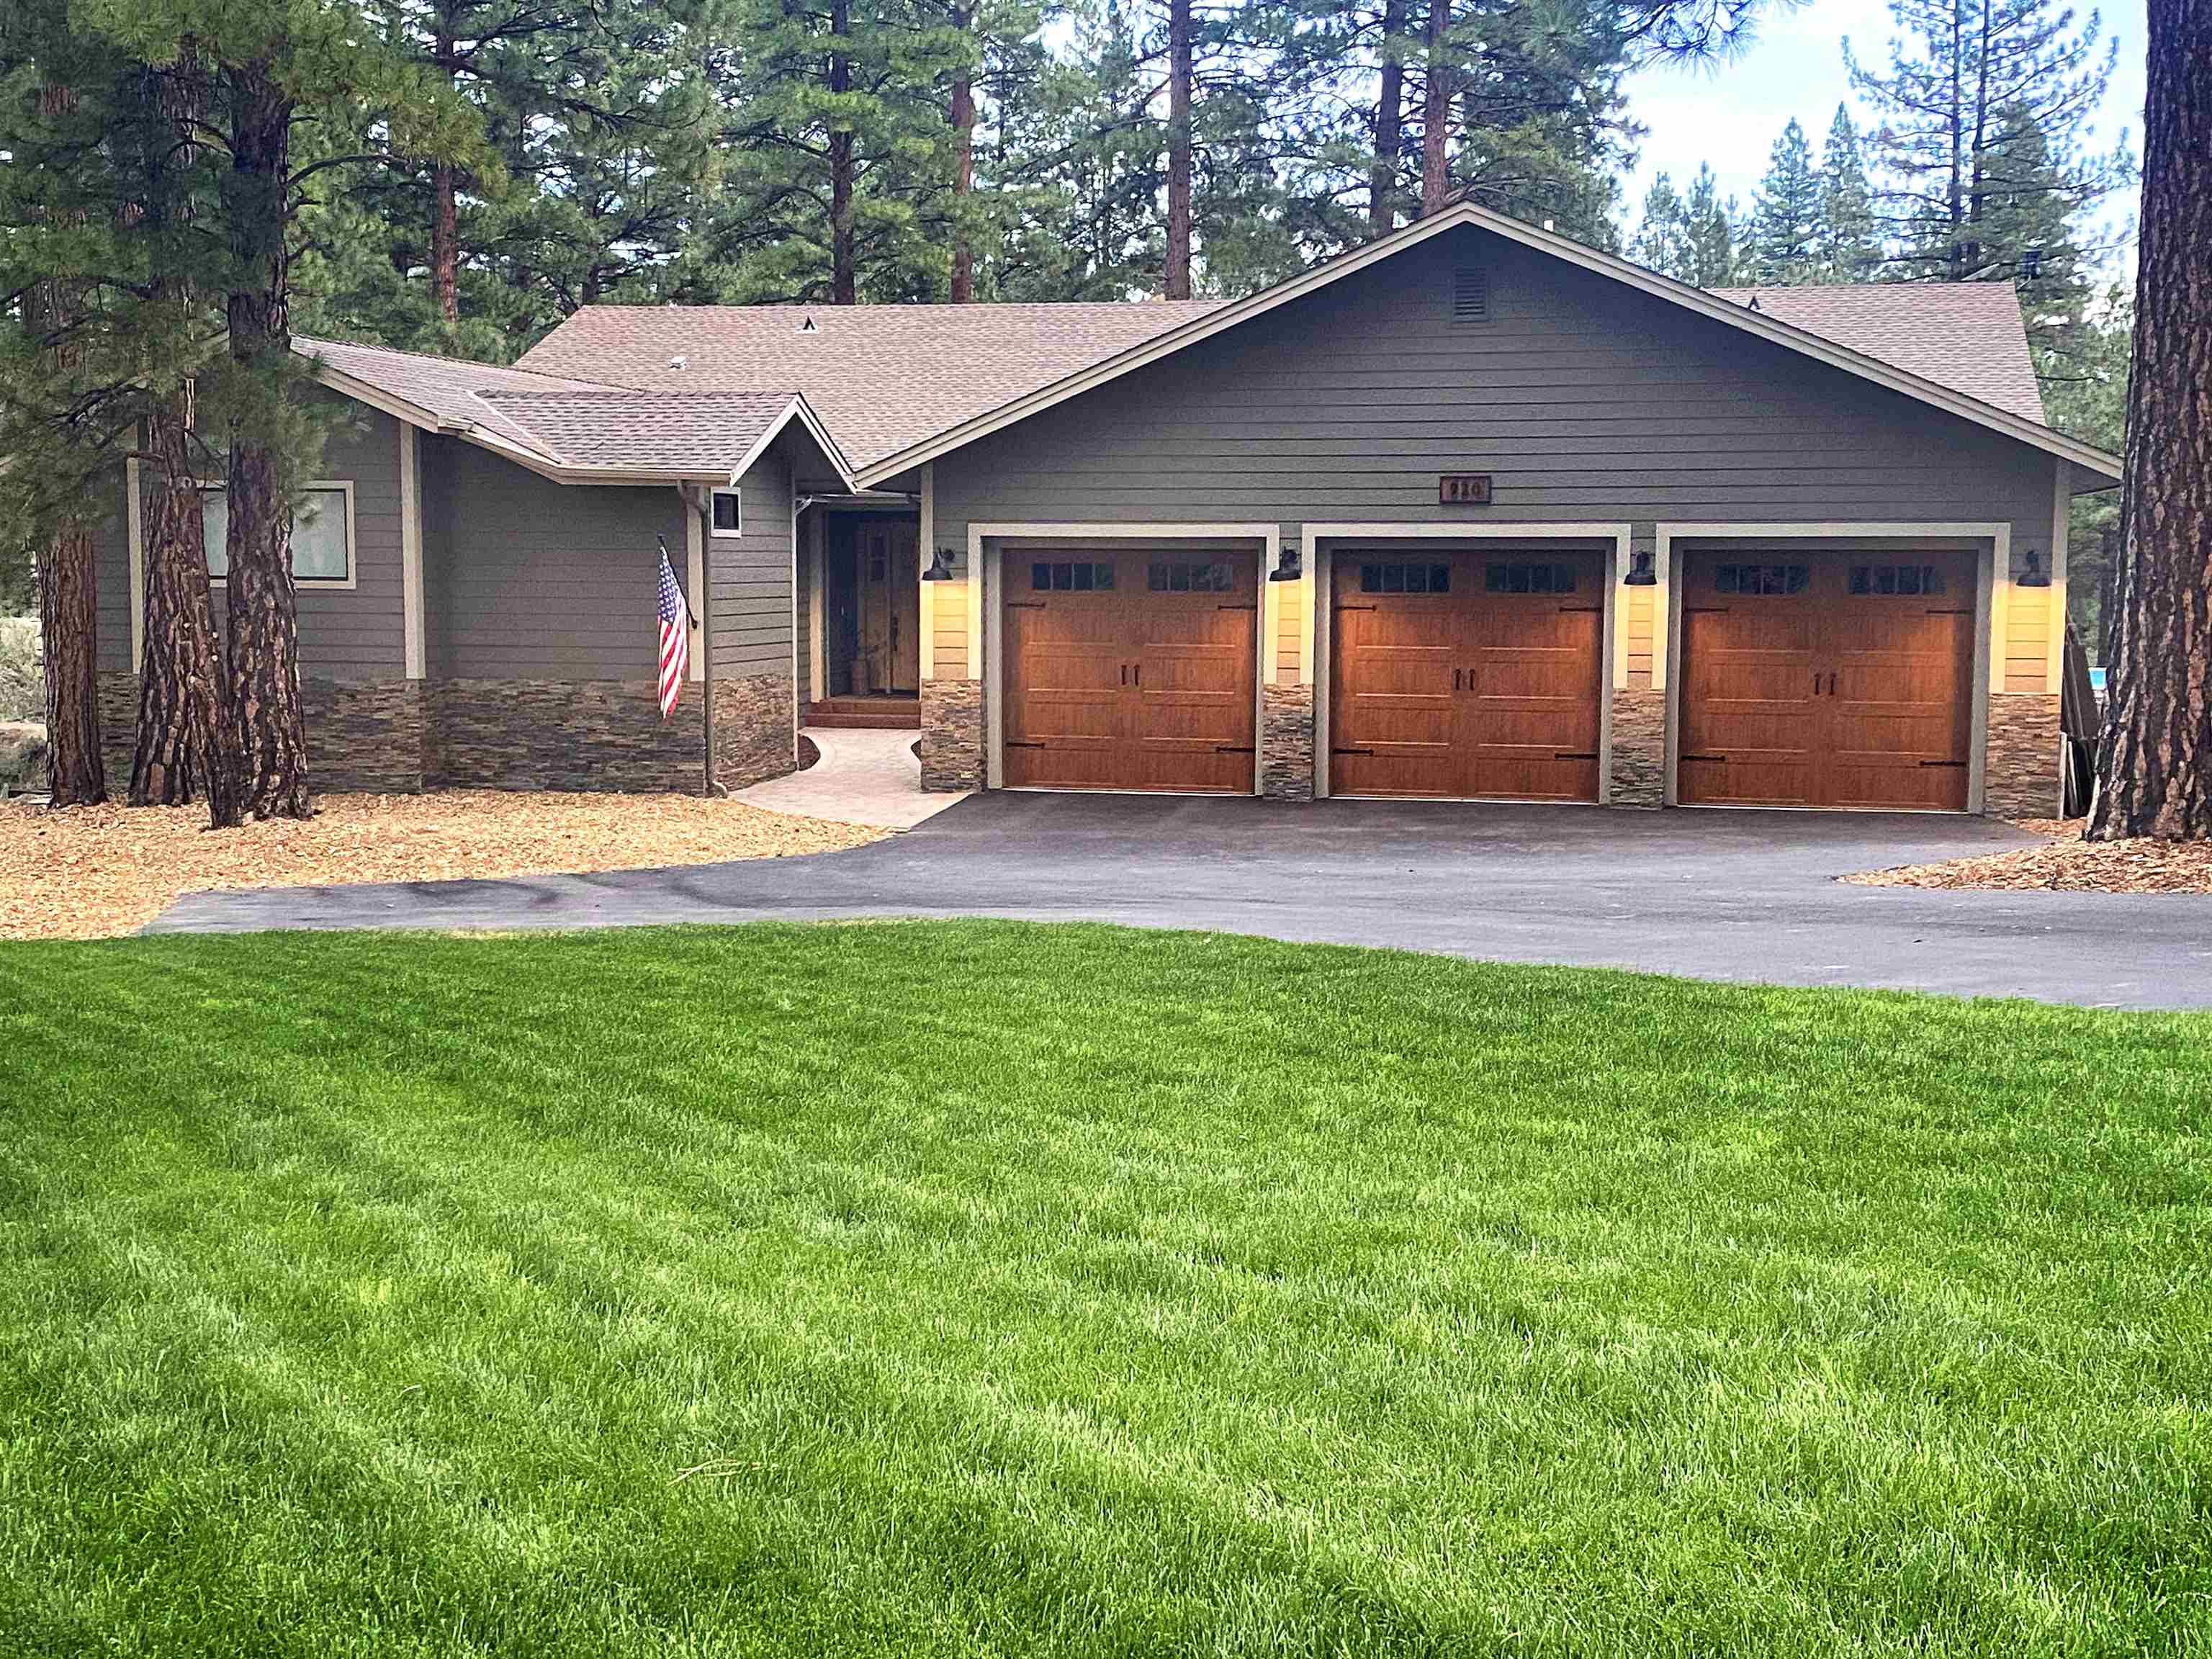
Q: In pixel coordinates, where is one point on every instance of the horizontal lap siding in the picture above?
(751, 577)
(948, 603)
(1584, 401)
(528, 579)
(111, 531)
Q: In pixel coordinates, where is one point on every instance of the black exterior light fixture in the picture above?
(940, 566)
(1287, 567)
(2034, 576)
(1640, 573)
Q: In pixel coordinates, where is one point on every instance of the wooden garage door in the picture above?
(1827, 680)
(1471, 675)
(1130, 670)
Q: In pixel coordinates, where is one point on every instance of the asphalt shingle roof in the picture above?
(881, 377)
(678, 432)
(1967, 336)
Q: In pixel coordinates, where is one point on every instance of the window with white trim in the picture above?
(727, 515)
(322, 532)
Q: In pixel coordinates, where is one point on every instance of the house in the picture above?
(1473, 511)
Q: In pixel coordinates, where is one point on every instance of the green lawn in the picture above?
(915, 1289)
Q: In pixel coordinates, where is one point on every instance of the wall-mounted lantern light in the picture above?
(1287, 569)
(1640, 573)
(940, 566)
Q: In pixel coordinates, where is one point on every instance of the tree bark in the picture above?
(263, 681)
(2156, 773)
(844, 281)
(184, 742)
(69, 578)
(1436, 113)
(1177, 286)
(445, 243)
(1389, 123)
(963, 167)
(68, 626)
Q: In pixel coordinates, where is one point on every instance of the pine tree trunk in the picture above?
(1179, 71)
(1389, 123)
(69, 582)
(68, 627)
(1436, 114)
(185, 741)
(445, 245)
(2155, 775)
(963, 167)
(263, 685)
(844, 280)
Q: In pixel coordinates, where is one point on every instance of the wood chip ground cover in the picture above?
(2063, 863)
(94, 872)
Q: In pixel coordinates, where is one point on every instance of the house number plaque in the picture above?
(1463, 489)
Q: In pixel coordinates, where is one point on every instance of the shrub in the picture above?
(22, 687)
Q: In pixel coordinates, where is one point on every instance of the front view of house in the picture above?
(1472, 513)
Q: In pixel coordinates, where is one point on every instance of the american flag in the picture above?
(674, 639)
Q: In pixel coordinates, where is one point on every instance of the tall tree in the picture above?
(2154, 775)
(1436, 110)
(961, 114)
(1785, 217)
(1385, 155)
(1663, 241)
(1713, 258)
(1849, 248)
(1180, 49)
(1955, 67)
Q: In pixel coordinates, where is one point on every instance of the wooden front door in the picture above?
(890, 606)
(1472, 676)
(1829, 679)
(1130, 670)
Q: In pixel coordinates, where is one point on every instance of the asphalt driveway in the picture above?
(1715, 895)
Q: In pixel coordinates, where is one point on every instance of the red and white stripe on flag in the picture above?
(675, 640)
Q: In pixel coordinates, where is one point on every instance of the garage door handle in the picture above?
(1956, 764)
(1455, 679)
(1125, 673)
(1352, 751)
(1231, 749)
(1136, 673)
(1236, 607)
(1816, 682)
(1024, 604)
(1832, 685)
(1588, 754)
(1723, 759)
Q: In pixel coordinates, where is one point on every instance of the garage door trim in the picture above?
(1318, 542)
(988, 544)
(1991, 543)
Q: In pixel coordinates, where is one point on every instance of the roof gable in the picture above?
(1907, 382)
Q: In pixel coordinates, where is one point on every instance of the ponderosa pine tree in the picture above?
(1783, 245)
(2155, 773)
(1661, 241)
(1849, 248)
(1713, 262)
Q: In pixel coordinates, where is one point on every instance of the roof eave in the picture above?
(1591, 259)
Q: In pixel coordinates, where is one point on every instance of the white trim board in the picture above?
(410, 552)
(986, 541)
(1464, 214)
(1317, 543)
(1993, 584)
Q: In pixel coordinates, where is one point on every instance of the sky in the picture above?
(1730, 114)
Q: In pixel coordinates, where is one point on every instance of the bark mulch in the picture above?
(97, 871)
(2065, 863)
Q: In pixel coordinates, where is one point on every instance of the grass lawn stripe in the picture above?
(977, 1287)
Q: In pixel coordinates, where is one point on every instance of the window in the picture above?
(1403, 576)
(728, 512)
(1189, 576)
(1062, 576)
(1528, 576)
(322, 532)
(1896, 579)
(1760, 578)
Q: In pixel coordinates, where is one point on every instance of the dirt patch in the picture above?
(810, 752)
(96, 871)
(2065, 863)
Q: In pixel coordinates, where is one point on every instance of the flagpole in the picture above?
(707, 787)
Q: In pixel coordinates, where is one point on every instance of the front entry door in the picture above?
(1827, 680)
(1130, 669)
(890, 606)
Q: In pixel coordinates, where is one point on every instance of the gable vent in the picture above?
(1470, 296)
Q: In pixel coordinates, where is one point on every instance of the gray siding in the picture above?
(751, 577)
(345, 634)
(527, 579)
(1583, 398)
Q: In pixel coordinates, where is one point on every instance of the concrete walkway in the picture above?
(1712, 895)
(863, 777)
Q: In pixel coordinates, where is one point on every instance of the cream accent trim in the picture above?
(984, 542)
(410, 552)
(134, 515)
(1310, 540)
(817, 672)
(695, 583)
(1993, 586)
(1561, 247)
(2062, 495)
(715, 530)
(1309, 588)
(925, 606)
